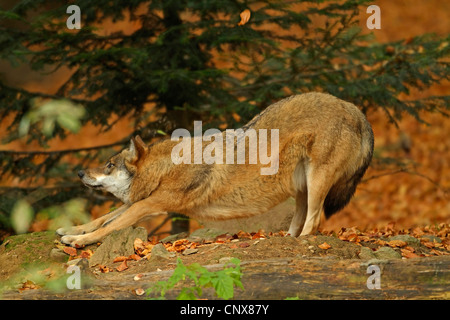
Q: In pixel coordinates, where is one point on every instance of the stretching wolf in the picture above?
(325, 146)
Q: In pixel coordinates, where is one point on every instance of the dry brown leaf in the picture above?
(244, 245)
(28, 285)
(245, 16)
(397, 243)
(123, 266)
(139, 291)
(86, 254)
(258, 235)
(120, 259)
(138, 245)
(324, 246)
(236, 117)
(408, 253)
(193, 245)
(70, 251)
(428, 244)
(134, 257)
(437, 252)
(223, 238)
(103, 269)
(242, 234)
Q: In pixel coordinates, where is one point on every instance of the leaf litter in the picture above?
(434, 240)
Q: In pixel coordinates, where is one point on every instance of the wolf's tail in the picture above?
(342, 191)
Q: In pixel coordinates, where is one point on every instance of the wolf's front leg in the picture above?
(93, 225)
(131, 216)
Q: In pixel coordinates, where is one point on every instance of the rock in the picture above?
(58, 255)
(375, 261)
(208, 234)
(225, 260)
(387, 253)
(83, 263)
(407, 238)
(118, 243)
(73, 262)
(174, 237)
(189, 251)
(159, 253)
(366, 254)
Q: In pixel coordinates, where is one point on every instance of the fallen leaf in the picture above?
(397, 243)
(120, 259)
(428, 244)
(70, 251)
(324, 246)
(236, 117)
(245, 16)
(28, 285)
(103, 269)
(390, 50)
(86, 254)
(123, 266)
(223, 237)
(134, 257)
(193, 245)
(258, 235)
(138, 245)
(139, 291)
(408, 254)
(244, 245)
(242, 234)
(436, 252)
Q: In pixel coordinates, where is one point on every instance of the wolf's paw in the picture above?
(69, 231)
(61, 231)
(75, 241)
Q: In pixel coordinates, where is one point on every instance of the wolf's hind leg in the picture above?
(319, 183)
(93, 225)
(301, 208)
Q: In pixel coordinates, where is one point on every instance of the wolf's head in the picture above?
(117, 174)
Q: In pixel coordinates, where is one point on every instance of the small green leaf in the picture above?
(223, 284)
(68, 122)
(161, 132)
(24, 126)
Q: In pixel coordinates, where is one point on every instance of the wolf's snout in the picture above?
(81, 174)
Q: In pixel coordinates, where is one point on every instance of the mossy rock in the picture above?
(19, 251)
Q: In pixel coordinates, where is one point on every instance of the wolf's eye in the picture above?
(109, 165)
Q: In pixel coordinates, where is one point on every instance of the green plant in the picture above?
(223, 281)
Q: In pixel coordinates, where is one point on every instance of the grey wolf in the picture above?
(325, 147)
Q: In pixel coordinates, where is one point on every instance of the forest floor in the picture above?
(413, 264)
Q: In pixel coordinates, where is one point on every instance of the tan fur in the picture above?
(325, 146)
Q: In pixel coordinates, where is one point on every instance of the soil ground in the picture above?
(273, 266)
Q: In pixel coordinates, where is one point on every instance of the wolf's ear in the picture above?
(138, 148)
